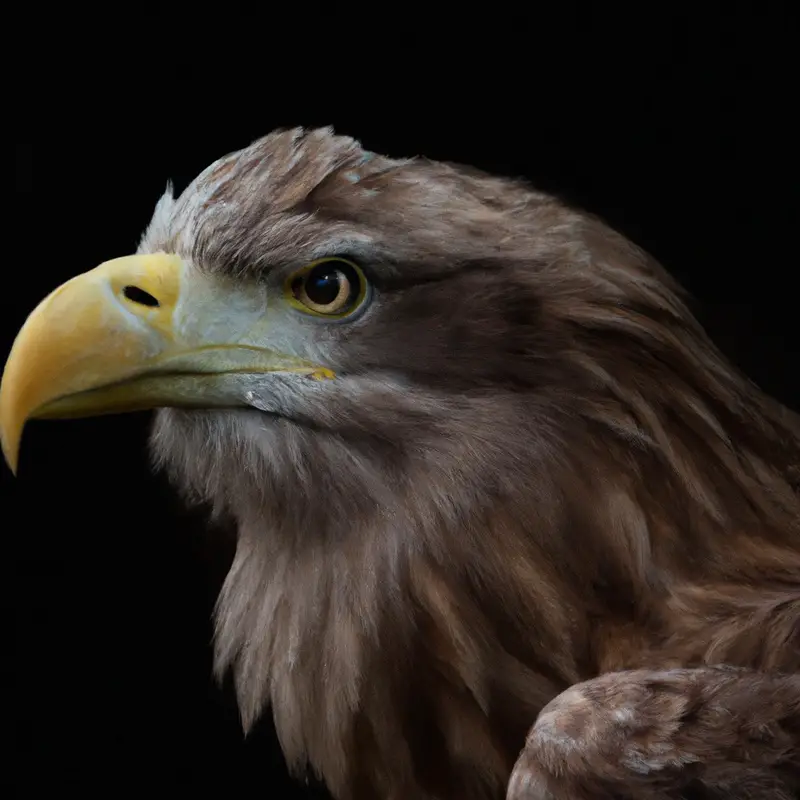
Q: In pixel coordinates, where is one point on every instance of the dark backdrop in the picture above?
(676, 128)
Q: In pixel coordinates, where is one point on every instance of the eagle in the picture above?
(508, 524)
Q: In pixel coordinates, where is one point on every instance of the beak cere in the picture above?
(136, 333)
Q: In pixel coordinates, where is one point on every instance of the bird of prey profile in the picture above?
(509, 525)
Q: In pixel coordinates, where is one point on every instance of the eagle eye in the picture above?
(329, 287)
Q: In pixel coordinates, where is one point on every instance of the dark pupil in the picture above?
(322, 285)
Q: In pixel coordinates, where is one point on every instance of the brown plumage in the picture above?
(533, 470)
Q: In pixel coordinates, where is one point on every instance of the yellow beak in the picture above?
(137, 333)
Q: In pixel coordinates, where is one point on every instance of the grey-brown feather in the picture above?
(533, 468)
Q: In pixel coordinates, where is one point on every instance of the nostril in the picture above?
(140, 296)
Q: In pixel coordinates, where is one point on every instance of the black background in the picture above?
(677, 127)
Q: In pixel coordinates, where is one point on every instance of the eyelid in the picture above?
(294, 272)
